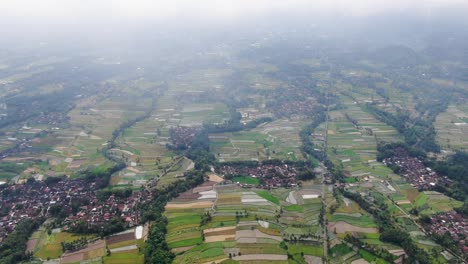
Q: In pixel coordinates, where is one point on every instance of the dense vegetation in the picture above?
(456, 168)
(419, 133)
(115, 225)
(390, 231)
(156, 248)
(305, 135)
(13, 248)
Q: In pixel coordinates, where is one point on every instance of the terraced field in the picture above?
(239, 146)
(452, 128)
(242, 224)
(75, 146)
(197, 114)
(274, 140)
(143, 148)
(354, 146)
(284, 137)
(143, 145)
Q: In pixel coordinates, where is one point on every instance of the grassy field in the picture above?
(50, 245)
(294, 207)
(314, 250)
(363, 221)
(433, 202)
(268, 196)
(246, 180)
(340, 250)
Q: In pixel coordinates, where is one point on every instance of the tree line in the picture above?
(417, 132)
(13, 248)
(390, 231)
(156, 247)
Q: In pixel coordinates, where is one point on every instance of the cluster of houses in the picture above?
(270, 176)
(289, 108)
(455, 224)
(99, 213)
(52, 119)
(72, 199)
(25, 143)
(414, 171)
(181, 137)
(19, 145)
(292, 100)
(251, 114)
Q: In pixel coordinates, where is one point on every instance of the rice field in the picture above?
(242, 222)
(354, 147)
(452, 128)
(274, 140)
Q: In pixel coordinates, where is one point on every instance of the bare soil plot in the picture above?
(97, 249)
(206, 186)
(220, 234)
(219, 238)
(261, 257)
(216, 261)
(120, 238)
(214, 178)
(72, 258)
(181, 249)
(229, 198)
(360, 261)
(31, 245)
(193, 205)
(403, 202)
(343, 227)
(312, 259)
(397, 252)
(126, 248)
(187, 196)
(248, 235)
(218, 229)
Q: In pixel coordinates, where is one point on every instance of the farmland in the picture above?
(452, 127)
(274, 140)
(353, 135)
(240, 223)
(239, 146)
(285, 143)
(125, 247)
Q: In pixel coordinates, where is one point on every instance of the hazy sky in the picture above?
(95, 20)
(86, 10)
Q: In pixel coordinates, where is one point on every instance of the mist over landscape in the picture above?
(233, 131)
